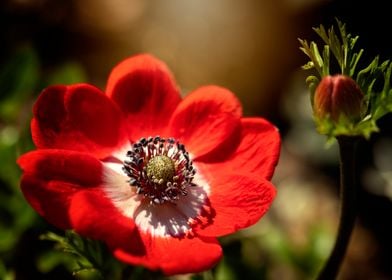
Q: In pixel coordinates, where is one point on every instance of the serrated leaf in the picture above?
(354, 62)
(318, 60)
(308, 66)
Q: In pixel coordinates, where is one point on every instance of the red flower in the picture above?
(157, 201)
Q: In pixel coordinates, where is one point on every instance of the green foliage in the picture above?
(91, 261)
(342, 47)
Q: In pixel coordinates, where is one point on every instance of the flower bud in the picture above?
(338, 96)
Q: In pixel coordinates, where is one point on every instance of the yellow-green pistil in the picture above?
(161, 169)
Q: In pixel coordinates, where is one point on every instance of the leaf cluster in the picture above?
(374, 79)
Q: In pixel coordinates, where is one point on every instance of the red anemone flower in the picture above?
(156, 177)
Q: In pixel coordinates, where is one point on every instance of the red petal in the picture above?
(258, 150)
(175, 255)
(49, 199)
(206, 119)
(52, 177)
(94, 215)
(144, 89)
(238, 201)
(78, 117)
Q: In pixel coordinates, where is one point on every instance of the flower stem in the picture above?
(348, 211)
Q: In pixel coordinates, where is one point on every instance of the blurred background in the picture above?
(250, 47)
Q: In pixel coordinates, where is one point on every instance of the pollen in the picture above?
(160, 169)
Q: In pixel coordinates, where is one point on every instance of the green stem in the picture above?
(348, 212)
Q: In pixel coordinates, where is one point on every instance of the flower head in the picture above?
(350, 102)
(339, 97)
(156, 177)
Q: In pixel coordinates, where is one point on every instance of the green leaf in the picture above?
(91, 258)
(312, 52)
(308, 65)
(73, 244)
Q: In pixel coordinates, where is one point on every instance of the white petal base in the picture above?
(163, 220)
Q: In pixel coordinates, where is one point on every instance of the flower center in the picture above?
(160, 169)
